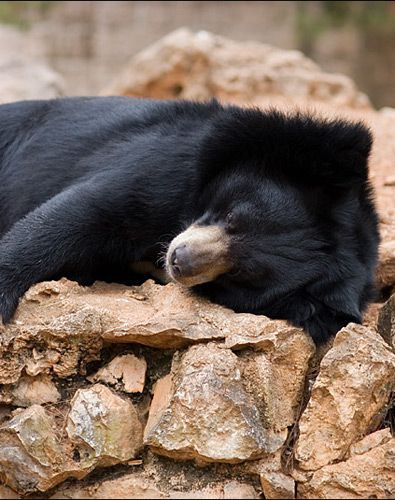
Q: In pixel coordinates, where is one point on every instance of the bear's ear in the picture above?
(341, 157)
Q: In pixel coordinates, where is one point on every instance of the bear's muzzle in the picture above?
(198, 255)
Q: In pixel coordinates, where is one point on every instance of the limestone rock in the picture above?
(354, 384)
(23, 79)
(36, 454)
(23, 74)
(73, 322)
(236, 489)
(275, 372)
(371, 315)
(386, 273)
(127, 371)
(140, 485)
(382, 168)
(389, 181)
(122, 488)
(387, 111)
(29, 391)
(60, 338)
(275, 482)
(371, 441)
(203, 65)
(104, 427)
(32, 456)
(202, 411)
(368, 473)
(5, 413)
(386, 321)
(7, 493)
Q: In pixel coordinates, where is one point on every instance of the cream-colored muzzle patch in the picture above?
(205, 251)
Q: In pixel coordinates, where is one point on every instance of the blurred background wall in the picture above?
(89, 41)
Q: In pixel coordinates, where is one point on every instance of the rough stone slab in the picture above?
(368, 473)
(141, 486)
(355, 381)
(29, 391)
(60, 326)
(24, 72)
(32, 455)
(277, 485)
(104, 426)
(126, 371)
(203, 65)
(274, 481)
(275, 372)
(386, 272)
(202, 411)
(36, 453)
(7, 493)
(50, 331)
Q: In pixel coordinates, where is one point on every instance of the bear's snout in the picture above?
(198, 255)
(181, 261)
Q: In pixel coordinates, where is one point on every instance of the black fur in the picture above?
(88, 185)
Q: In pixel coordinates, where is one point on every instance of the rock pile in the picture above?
(80, 394)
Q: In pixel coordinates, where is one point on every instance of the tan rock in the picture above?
(382, 167)
(275, 482)
(23, 73)
(389, 181)
(126, 371)
(386, 272)
(7, 493)
(73, 322)
(275, 372)
(62, 337)
(203, 412)
(354, 384)
(203, 65)
(386, 321)
(371, 441)
(29, 391)
(167, 316)
(368, 473)
(126, 487)
(141, 486)
(104, 426)
(35, 454)
(236, 489)
(32, 456)
(21, 78)
(387, 111)
(371, 315)
(5, 413)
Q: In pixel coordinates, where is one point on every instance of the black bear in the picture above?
(263, 212)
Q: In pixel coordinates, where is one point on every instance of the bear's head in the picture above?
(284, 224)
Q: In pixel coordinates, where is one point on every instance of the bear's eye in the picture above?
(230, 221)
(229, 218)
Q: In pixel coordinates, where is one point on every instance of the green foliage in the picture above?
(19, 13)
(313, 18)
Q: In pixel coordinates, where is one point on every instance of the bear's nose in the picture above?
(181, 261)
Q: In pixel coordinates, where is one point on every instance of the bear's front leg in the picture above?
(67, 232)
